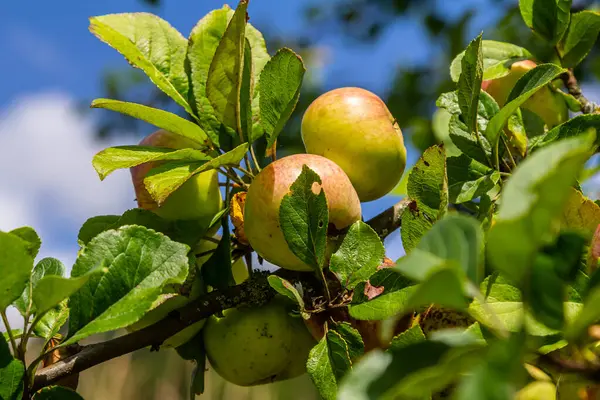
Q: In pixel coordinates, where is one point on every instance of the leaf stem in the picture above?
(254, 158)
(512, 160)
(13, 343)
(245, 171)
(324, 280)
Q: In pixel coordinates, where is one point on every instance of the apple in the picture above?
(253, 346)
(199, 198)
(354, 128)
(261, 211)
(549, 106)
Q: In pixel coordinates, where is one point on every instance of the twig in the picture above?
(254, 158)
(587, 106)
(255, 291)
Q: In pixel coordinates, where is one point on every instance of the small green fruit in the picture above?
(197, 199)
(549, 106)
(253, 346)
(354, 128)
(261, 211)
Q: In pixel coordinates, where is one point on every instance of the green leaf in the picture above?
(412, 335)
(56, 393)
(352, 337)
(193, 350)
(356, 383)
(497, 58)
(45, 267)
(526, 86)
(468, 179)
(31, 239)
(532, 202)
(339, 355)
(53, 289)
(52, 321)
(12, 374)
(217, 271)
(246, 90)
(580, 38)
(140, 263)
(224, 81)
(150, 44)
(279, 87)
(428, 189)
(113, 158)
(304, 218)
(320, 370)
(94, 226)
(165, 179)
(359, 255)
(467, 142)
(396, 291)
(574, 127)
(444, 287)
(498, 375)
(16, 264)
(469, 83)
(588, 315)
(546, 293)
(157, 117)
(456, 239)
(203, 42)
(548, 18)
(286, 289)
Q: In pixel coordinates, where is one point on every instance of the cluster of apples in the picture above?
(356, 147)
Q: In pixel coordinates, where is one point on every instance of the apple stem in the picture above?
(255, 159)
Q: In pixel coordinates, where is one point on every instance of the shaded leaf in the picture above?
(391, 301)
(548, 18)
(320, 370)
(217, 271)
(580, 38)
(12, 374)
(574, 127)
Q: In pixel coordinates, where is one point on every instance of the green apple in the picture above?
(549, 106)
(354, 128)
(199, 198)
(261, 211)
(239, 269)
(253, 346)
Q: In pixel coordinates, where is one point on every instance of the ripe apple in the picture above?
(199, 198)
(549, 106)
(253, 346)
(261, 211)
(354, 128)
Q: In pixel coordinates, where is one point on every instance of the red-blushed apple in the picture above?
(549, 106)
(261, 211)
(254, 346)
(199, 198)
(354, 128)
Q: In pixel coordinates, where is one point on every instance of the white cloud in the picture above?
(46, 177)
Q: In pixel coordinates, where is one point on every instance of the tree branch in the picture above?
(570, 81)
(254, 291)
(389, 220)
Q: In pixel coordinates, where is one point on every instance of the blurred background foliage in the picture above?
(410, 93)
